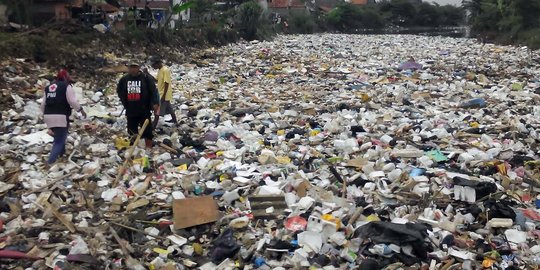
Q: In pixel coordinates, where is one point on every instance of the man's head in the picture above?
(63, 75)
(134, 68)
(156, 62)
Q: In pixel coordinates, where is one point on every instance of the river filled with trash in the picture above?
(305, 152)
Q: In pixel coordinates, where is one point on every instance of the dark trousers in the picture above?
(59, 143)
(135, 122)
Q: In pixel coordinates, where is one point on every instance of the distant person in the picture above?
(158, 17)
(164, 83)
(138, 94)
(148, 15)
(132, 16)
(58, 101)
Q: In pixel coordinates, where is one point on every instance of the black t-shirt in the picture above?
(138, 94)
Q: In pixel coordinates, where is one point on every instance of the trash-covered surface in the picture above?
(317, 153)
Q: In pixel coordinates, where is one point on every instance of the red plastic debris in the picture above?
(11, 254)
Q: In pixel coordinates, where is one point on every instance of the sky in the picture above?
(446, 2)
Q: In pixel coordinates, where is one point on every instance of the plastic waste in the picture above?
(474, 103)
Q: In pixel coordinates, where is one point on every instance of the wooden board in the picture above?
(194, 211)
(259, 204)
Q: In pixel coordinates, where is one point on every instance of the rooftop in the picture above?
(153, 4)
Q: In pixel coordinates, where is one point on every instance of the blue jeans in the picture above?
(59, 143)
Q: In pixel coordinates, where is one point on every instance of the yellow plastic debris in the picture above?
(502, 169)
(517, 87)
(281, 132)
(373, 218)
(143, 161)
(121, 143)
(283, 160)
(161, 251)
(183, 167)
(488, 263)
(332, 219)
(474, 124)
(364, 97)
(197, 248)
(314, 133)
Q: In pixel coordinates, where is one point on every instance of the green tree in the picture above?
(402, 12)
(451, 15)
(372, 18)
(252, 23)
(346, 17)
(302, 22)
(428, 15)
(19, 11)
(506, 20)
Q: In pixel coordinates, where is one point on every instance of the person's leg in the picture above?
(60, 135)
(169, 110)
(133, 128)
(156, 121)
(147, 133)
(173, 115)
(63, 151)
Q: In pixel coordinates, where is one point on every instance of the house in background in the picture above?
(160, 8)
(328, 5)
(358, 2)
(284, 7)
(52, 10)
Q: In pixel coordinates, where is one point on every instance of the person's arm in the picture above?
(154, 94)
(145, 71)
(43, 102)
(72, 100)
(121, 91)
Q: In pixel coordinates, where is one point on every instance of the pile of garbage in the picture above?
(306, 152)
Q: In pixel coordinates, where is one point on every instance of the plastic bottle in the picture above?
(474, 103)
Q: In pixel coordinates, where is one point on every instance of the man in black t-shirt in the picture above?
(138, 94)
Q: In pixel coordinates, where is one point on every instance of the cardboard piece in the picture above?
(194, 211)
(302, 189)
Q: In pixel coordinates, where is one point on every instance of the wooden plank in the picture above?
(259, 204)
(194, 211)
(61, 217)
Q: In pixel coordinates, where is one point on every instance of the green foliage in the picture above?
(451, 15)
(399, 12)
(301, 22)
(508, 20)
(372, 18)
(347, 17)
(253, 22)
(179, 8)
(428, 15)
(20, 10)
(530, 38)
(202, 6)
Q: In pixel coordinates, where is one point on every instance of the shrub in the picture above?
(301, 22)
(252, 22)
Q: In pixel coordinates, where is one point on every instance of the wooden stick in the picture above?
(122, 168)
(119, 240)
(61, 217)
(166, 147)
(137, 230)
